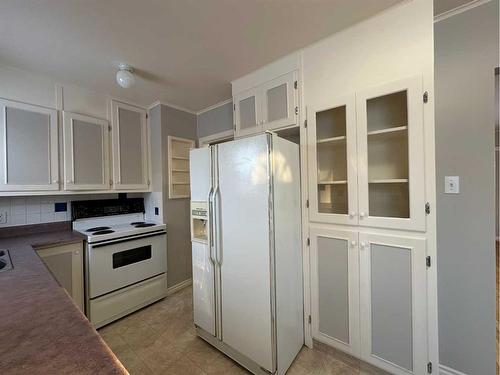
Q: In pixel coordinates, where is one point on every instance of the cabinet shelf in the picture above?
(180, 157)
(180, 183)
(388, 130)
(389, 181)
(338, 182)
(180, 170)
(332, 139)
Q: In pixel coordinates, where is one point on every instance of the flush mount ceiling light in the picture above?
(124, 76)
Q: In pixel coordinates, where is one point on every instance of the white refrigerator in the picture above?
(246, 243)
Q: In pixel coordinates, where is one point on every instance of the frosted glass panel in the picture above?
(28, 151)
(130, 147)
(87, 153)
(247, 113)
(387, 143)
(277, 103)
(333, 285)
(331, 149)
(391, 305)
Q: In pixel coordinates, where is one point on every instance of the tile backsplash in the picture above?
(40, 209)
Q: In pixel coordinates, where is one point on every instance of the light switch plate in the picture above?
(452, 184)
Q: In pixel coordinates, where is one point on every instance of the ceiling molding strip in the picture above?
(460, 9)
(174, 106)
(217, 105)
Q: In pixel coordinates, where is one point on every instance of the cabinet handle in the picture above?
(352, 214)
(55, 181)
(69, 181)
(353, 243)
(362, 215)
(77, 252)
(363, 245)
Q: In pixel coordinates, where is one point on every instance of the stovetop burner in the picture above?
(138, 222)
(143, 225)
(106, 231)
(96, 229)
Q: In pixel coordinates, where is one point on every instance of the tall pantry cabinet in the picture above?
(366, 199)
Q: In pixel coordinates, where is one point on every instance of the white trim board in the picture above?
(177, 287)
(226, 134)
(460, 9)
(216, 105)
(174, 106)
(445, 370)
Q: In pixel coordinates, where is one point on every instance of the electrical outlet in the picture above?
(451, 184)
(3, 217)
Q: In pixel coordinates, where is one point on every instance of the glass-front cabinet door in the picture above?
(332, 161)
(247, 113)
(393, 303)
(391, 156)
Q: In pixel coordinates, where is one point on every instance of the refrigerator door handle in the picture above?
(218, 228)
(211, 224)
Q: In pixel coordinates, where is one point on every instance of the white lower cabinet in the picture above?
(369, 297)
(65, 262)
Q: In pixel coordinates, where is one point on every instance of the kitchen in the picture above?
(170, 203)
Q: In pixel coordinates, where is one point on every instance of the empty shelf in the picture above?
(180, 157)
(389, 181)
(388, 130)
(339, 182)
(333, 139)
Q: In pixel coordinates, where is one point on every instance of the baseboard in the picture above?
(177, 287)
(445, 370)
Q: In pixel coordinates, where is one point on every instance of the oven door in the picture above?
(118, 263)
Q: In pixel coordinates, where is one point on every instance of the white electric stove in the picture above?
(125, 257)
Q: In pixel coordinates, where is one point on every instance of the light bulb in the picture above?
(124, 76)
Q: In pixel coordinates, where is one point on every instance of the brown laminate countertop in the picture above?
(41, 330)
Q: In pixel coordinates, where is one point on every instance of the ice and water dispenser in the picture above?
(199, 221)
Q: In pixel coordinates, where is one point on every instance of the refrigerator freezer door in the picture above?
(203, 266)
(242, 203)
(203, 288)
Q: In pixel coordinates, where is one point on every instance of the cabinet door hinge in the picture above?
(309, 319)
(308, 242)
(147, 116)
(110, 182)
(429, 367)
(296, 85)
(234, 107)
(296, 110)
(428, 261)
(307, 203)
(109, 127)
(427, 208)
(305, 123)
(426, 97)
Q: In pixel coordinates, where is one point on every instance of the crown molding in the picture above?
(217, 105)
(174, 106)
(460, 9)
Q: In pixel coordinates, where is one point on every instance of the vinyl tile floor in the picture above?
(161, 339)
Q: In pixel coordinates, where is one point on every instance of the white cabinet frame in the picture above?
(289, 80)
(69, 156)
(255, 92)
(416, 160)
(115, 120)
(417, 248)
(351, 237)
(53, 160)
(352, 171)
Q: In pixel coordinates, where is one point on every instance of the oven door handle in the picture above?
(96, 245)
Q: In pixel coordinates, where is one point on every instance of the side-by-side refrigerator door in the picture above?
(243, 251)
(201, 239)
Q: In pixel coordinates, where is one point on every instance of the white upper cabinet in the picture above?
(130, 147)
(28, 147)
(391, 155)
(271, 105)
(247, 114)
(366, 158)
(86, 152)
(279, 101)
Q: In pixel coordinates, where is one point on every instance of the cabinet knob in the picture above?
(352, 214)
(69, 181)
(363, 244)
(55, 181)
(353, 243)
(362, 214)
(77, 252)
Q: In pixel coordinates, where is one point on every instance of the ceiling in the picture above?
(185, 52)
